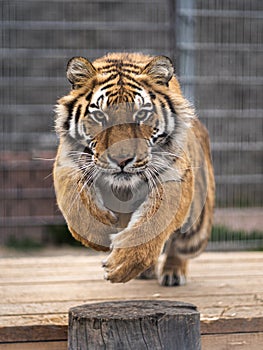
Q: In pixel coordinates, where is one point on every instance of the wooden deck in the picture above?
(36, 293)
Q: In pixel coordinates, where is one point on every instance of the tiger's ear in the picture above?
(79, 70)
(160, 68)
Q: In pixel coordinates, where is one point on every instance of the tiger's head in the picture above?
(125, 120)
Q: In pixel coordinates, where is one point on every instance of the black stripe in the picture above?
(154, 108)
(165, 116)
(113, 69)
(163, 135)
(70, 106)
(88, 150)
(147, 105)
(133, 71)
(112, 60)
(100, 100)
(86, 110)
(108, 86)
(107, 68)
(134, 83)
(131, 65)
(111, 77)
(145, 82)
(136, 87)
(112, 94)
(196, 227)
(93, 105)
(191, 249)
(141, 98)
(132, 79)
(165, 96)
(152, 95)
(131, 93)
(88, 97)
(77, 115)
(168, 100)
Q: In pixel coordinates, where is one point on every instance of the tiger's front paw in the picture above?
(123, 264)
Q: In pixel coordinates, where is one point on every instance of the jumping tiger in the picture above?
(133, 173)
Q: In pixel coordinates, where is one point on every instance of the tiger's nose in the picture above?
(121, 161)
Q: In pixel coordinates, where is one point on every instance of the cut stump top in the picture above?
(134, 309)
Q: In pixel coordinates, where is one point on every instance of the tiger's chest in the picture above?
(121, 199)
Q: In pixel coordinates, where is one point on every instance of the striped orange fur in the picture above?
(133, 172)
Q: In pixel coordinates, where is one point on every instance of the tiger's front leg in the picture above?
(138, 246)
(87, 221)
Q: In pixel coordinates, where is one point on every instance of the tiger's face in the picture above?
(120, 120)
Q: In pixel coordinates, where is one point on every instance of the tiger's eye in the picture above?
(142, 115)
(99, 116)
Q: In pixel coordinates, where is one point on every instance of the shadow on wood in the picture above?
(166, 325)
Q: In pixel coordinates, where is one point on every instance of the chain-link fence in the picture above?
(217, 50)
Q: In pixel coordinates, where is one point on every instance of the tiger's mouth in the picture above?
(123, 167)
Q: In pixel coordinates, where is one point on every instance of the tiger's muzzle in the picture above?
(122, 149)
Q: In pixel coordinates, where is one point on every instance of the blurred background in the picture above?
(216, 47)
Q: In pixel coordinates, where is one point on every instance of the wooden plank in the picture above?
(33, 333)
(59, 273)
(50, 331)
(73, 261)
(54, 326)
(68, 290)
(68, 260)
(43, 276)
(26, 263)
(51, 345)
(90, 268)
(226, 302)
(226, 325)
(237, 341)
(36, 293)
(28, 275)
(87, 255)
(195, 266)
(53, 318)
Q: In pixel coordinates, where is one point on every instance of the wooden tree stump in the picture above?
(136, 325)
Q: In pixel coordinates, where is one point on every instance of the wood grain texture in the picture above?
(236, 341)
(36, 294)
(135, 325)
(53, 345)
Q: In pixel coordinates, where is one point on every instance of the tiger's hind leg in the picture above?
(180, 247)
(171, 269)
(173, 272)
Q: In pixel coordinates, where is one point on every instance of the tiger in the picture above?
(133, 173)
